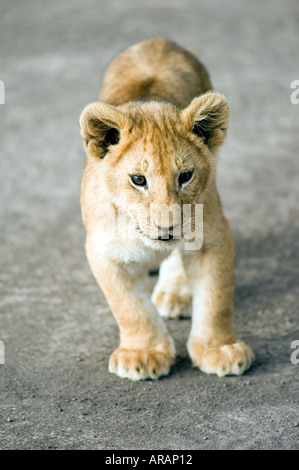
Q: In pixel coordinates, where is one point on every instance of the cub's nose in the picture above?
(166, 235)
(166, 229)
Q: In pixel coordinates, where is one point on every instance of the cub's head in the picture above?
(151, 159)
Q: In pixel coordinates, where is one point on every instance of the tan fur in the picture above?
(158, 118)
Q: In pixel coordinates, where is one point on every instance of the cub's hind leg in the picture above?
(171, 294)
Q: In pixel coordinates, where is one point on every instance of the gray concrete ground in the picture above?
(58, 333)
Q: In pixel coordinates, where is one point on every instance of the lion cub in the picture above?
(149, 197)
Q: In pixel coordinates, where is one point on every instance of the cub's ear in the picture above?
(207, 117)
(100, 126)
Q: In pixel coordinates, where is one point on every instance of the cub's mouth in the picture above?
(165, 237)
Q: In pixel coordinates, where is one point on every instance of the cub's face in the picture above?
(155, 161)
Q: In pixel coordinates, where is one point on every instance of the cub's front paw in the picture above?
(228, 359)
(172, 301)
(138, 365)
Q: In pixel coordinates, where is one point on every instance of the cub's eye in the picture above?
(138, 180)
(185, 177)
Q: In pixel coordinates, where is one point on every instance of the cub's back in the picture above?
(155, 69)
